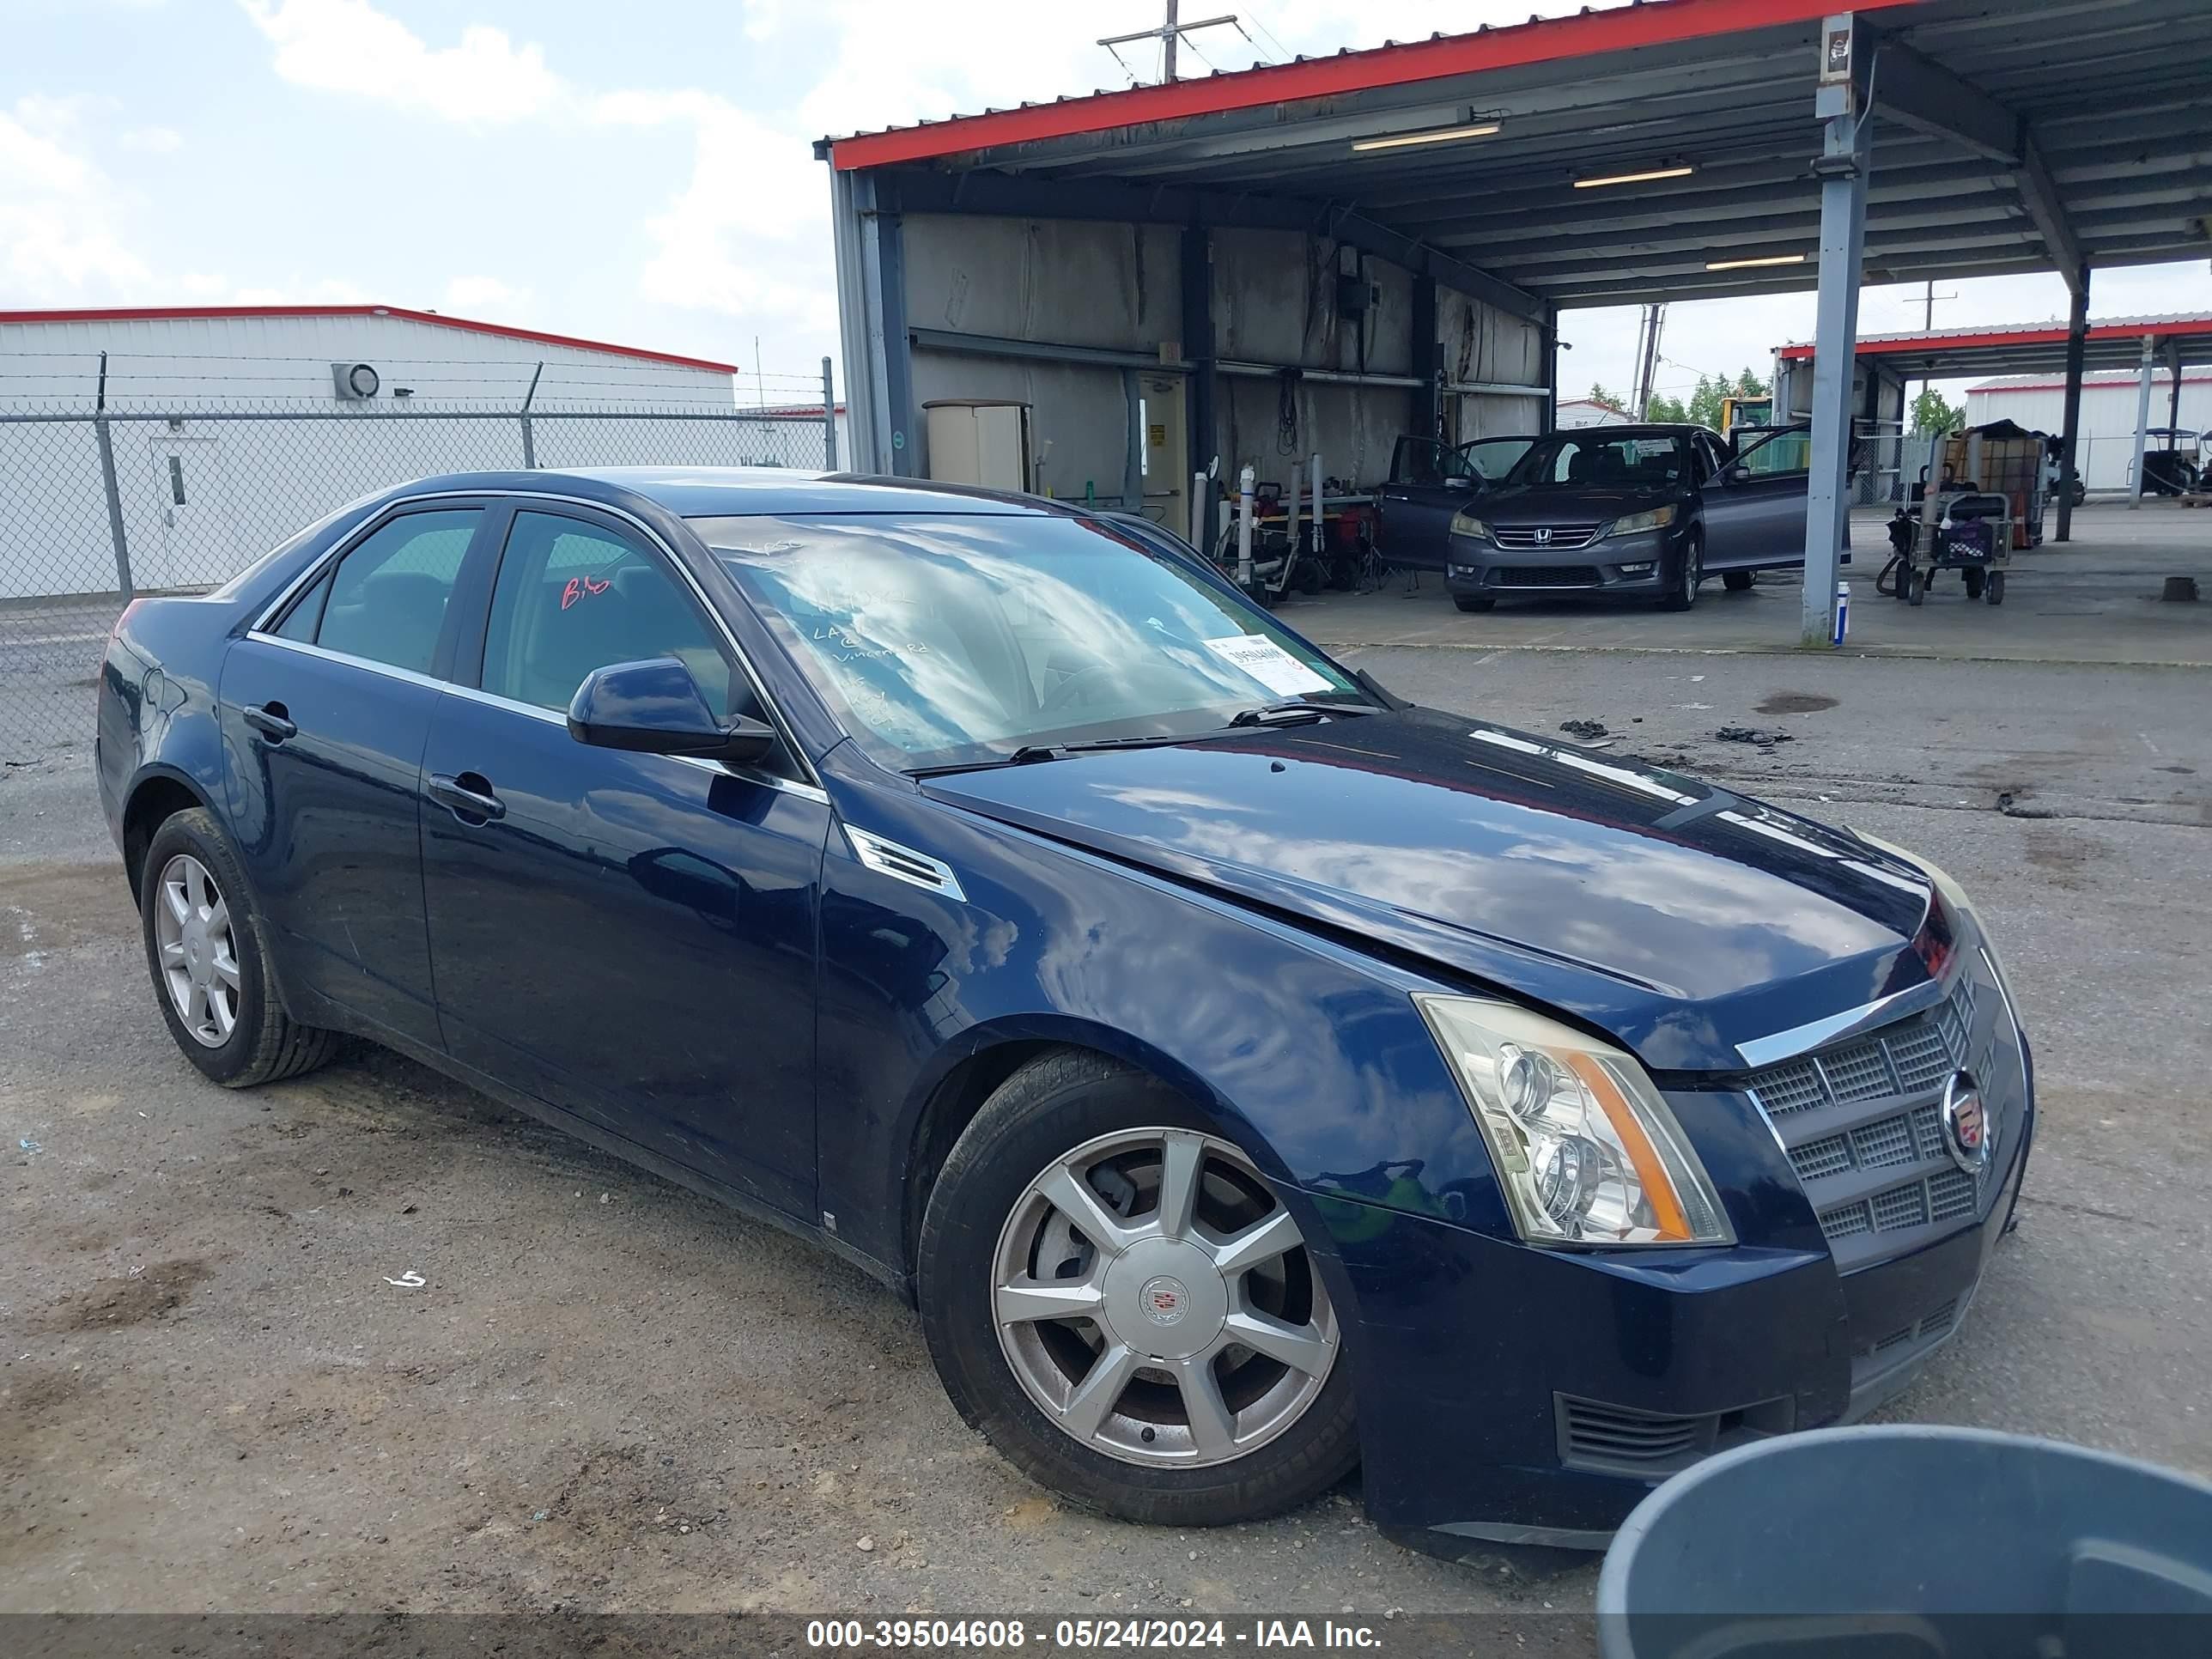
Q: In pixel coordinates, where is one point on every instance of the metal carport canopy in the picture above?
(2032, 348)
(2008, 138)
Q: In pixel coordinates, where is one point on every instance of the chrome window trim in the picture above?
(810, 786)
(747, 774)
(1761, 1052)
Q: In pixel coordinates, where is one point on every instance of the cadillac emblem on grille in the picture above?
(1967, 1131)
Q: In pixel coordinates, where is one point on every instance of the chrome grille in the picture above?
(1861, 1122)
(1559, 537)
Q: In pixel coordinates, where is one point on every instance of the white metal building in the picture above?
(259, 432)
(1588, 411)
(2111, 400)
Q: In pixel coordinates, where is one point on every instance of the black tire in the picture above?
(1995, 589)
(264, 1042)
(1737, 582)
(1474, 602)
(1051, 1106)
(1919, 587)
(1975, 580)
(1689, 572)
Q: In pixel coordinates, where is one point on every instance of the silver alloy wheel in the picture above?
(198, 950)
(1693, 568)
(1157, 1301)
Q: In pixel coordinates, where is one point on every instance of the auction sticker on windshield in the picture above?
(1267, 663)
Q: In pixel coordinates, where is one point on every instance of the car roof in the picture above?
(710, 492)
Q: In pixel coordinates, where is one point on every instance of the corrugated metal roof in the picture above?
(156, 313)
(2100, 327)
(2110, 91)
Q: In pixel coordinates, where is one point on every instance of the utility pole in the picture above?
(1647, 366)
(1929, 300)
(1169, 34)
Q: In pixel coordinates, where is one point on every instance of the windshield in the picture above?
(950, 641)
(1598, 460)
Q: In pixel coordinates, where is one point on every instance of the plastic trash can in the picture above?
(1909, 1541)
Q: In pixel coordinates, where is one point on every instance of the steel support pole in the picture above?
(1551, 346)
(1846, 159)
(1424, 357)
(828, 419)
(2143, 417)
(2077, 346)
(529, 436)
(1195, 257)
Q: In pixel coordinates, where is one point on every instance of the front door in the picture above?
(1755, 501)
(324, 719)
(629, 937)
(1164, 457)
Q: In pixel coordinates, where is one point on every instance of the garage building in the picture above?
(1326, 254)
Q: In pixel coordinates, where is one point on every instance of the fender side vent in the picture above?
(887, 858)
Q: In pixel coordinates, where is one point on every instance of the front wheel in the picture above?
(1122, 1306)
(1689, 572)
(211, 973)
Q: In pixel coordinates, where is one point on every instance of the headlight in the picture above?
(1587, 1151)
(1657, 519)
(1956, 896)
(1466, 523)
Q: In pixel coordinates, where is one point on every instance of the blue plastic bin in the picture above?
(1905, 1541)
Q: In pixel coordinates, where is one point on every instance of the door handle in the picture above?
(468, 794)
(272, 721)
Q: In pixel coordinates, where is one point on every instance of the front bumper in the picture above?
(1632, 564)
(1531, 1397)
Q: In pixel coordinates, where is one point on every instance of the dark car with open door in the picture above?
(1430, 483)
(1634, 510)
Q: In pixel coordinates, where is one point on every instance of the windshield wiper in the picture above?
(1029, 753)
(1295, 712)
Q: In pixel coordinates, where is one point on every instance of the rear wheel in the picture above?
(1974, 580)
(210, 969)
(1995, 589)
(1115, 1298)
(1736, 581)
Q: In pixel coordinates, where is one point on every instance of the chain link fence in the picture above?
(99, 506)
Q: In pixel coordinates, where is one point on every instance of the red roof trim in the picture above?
(159, 314)
(2054, 335)
(1619, 29)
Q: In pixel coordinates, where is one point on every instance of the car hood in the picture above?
(1681, 919)
(1537, 504)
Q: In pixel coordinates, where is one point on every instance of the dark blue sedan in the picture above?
(1247, 1074)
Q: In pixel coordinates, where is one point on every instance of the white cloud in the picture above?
(152, 140)
(60, 241)
(348, 47)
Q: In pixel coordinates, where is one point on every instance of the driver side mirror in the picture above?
(656, 707)
(1736, 474)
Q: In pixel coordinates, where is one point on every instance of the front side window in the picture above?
(386, 600)
(953, 640)
(1490, 460)
(573, 596)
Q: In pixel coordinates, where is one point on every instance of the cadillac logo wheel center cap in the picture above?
(1968, 1135)
(1165, 1298)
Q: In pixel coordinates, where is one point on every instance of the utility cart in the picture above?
(1968, 530)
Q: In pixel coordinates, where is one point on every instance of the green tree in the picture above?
(1667, 410)
(1706, 402)
(1605, 399)
(1933, 412)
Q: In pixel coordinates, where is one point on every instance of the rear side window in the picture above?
(573, 596)
(386, 600)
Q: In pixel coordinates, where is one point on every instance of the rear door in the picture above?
(325, 708)
(629, 937)
(1755, 500)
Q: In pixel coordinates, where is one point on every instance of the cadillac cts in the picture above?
(1247, 1074)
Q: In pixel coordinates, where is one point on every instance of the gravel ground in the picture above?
(608, 1393)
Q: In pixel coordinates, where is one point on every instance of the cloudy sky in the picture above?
(638, 172)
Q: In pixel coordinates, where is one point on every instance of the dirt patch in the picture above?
(112, 1304)
(45, 908)
(1795, 703)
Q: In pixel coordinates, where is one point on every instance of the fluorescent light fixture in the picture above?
(1746, 264)
(1434, 135)
(1635, 177)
